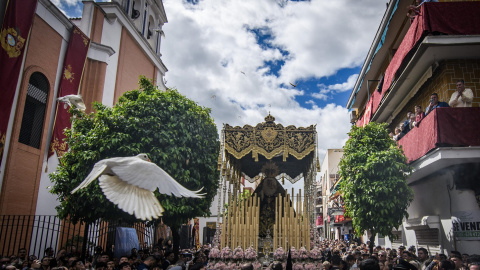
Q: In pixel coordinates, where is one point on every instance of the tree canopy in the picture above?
(373, 183)
(177, 134)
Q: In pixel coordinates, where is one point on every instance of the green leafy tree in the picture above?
(177, 134)
(374, 187)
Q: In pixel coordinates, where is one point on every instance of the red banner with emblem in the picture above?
(72, 74)
(13, 38)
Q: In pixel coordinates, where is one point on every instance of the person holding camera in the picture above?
(434, 103)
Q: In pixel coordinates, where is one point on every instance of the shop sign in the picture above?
(466, 225)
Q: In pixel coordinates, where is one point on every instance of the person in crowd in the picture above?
(101, 266)
(465, 259)
(434, 103)
(474, 266)
(382, 256)
(401, 264)
(454, 253)
(4, 261)
(463, 97)
(61, 257)
(148, 263)
(351, 261)
(78, 265)
(104, 257)
(45, 263)
(365, 255)
(457, 260)
(168, 245)
(413, 252)
(169, 257)
(49, 252)
(422, 255)
(110, 265)
(22, 255)
(123, 259)
(408, 256)
(326, 265)
(369, 264)
(124, 266)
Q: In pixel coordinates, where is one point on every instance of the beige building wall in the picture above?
(132, 62)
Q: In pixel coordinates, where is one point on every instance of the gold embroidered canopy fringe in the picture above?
(293, 147)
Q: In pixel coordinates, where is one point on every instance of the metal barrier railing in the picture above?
(36, 233)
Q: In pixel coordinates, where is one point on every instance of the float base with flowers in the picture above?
(226, 259)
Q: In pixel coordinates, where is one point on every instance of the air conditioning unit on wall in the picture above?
(353, 116)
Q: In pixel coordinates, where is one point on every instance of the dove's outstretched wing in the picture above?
(97, 170)
(77, 101)
(134, 200)
(73, 100)
(149, 176)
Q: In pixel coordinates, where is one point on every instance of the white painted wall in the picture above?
(111, 36)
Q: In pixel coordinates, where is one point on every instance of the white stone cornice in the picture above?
(100, 52)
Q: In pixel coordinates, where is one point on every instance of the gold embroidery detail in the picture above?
(12, 42)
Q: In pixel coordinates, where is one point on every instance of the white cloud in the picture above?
(335, 88)
(210, 51)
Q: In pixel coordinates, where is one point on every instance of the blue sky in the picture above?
(239, 58)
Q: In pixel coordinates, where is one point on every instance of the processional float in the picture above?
(267, 154)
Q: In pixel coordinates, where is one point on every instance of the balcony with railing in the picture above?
(443, 127)
(445, 138)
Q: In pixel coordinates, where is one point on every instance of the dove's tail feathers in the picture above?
(198, 194)
(94, 174)
(190, 194)
(134, 200)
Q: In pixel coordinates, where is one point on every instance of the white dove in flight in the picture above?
(129, 183)
(75, 100)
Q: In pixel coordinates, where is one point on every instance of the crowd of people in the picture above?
(335, 255)
(342, 256)
(160, 257)
(462, 97)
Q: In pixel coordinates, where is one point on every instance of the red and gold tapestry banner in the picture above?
(13, 37)
(71, 76)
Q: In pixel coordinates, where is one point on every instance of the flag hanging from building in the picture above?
(72, 71)
(14, 33)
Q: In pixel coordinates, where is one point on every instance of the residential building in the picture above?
(335, 225)
(408, 61)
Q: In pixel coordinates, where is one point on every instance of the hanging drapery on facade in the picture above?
(73, 66)
(14, 33)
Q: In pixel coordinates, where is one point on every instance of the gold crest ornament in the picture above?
(12, 42)
(68, 74)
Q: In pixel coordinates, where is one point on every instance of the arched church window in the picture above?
(34, 110)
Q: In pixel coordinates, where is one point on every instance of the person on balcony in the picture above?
(406, 123)
(414, 10)
(419, 115)
(434, 103)
(462, 97)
